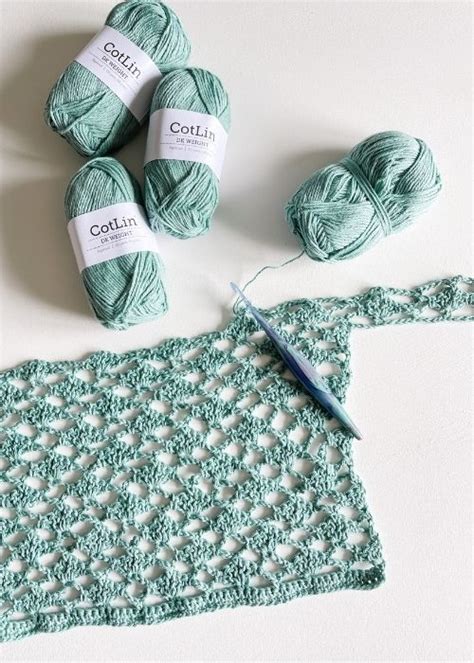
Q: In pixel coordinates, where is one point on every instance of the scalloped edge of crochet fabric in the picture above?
(195, 605)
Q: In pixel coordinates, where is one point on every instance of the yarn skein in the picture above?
(181, 196)
(378, 189)
(127, 290)
(84, 111)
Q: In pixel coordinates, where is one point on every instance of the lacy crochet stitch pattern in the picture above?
(191, 476)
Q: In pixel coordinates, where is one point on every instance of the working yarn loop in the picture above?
(127, 290)
(181, 196)
(84, 111)
(378, 189)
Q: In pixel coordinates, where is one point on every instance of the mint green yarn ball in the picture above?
(127, 290)
(84, 111)
(378, 189)
(181, 196)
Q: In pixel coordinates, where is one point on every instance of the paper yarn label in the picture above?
(186, 136)
(127, 70)
(110, 232)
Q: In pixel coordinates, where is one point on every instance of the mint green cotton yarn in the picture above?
(129, 289)
(143, 465)
(384, 183)
(84, 111)
(181, 196)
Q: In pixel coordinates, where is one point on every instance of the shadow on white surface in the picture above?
(38, 257)
(26, 88)
(259, 215)
(38, 254)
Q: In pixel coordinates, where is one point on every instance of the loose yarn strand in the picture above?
(235, 306)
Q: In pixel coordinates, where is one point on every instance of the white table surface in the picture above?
(307, 81)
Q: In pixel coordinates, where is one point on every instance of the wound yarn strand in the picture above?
(359, 176)
(181, 196)
(84, 110)
(384, 183)
(129, 289)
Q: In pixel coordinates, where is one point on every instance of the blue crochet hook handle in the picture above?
(301, 368)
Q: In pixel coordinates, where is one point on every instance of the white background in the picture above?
(307, 81)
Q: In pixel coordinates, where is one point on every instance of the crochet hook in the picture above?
(302, 369)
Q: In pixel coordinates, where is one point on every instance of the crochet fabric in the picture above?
(192, 476)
